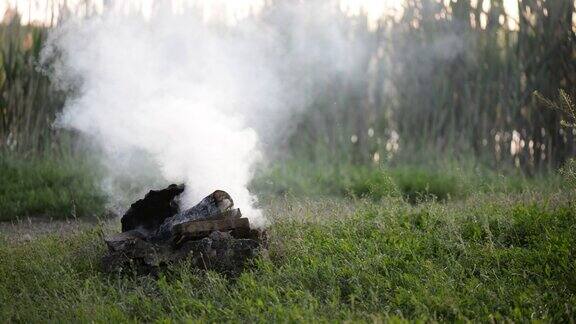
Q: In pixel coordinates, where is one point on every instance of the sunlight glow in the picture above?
(47, 11)
(374, 9)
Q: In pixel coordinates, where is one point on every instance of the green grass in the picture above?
(61, 188)
(441, 181)
(488, 257)
(346, 243)
(418, 184)
(298, 178)
(69, 187)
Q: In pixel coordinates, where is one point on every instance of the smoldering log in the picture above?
(219, 251)
(147, 214)
(214, 205)
(212, 235)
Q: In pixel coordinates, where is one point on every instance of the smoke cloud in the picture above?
(172, 98)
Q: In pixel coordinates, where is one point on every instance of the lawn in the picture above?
(485, 257)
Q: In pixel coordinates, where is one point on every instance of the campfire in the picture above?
(212, 235)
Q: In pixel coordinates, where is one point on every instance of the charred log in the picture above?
(214, 205)
(219, 251)
(147, 214)
(211, 235)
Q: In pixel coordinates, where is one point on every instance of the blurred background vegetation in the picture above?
(442, 104)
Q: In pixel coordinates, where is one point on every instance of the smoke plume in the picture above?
(173, 98)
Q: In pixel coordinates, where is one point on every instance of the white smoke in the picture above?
(191, 101)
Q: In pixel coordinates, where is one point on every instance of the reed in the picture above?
(28, 101)
(456, 78)
(447, 76)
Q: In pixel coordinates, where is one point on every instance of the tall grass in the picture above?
(445, 79)
(28, 101)
(452, 76)
(448, 75)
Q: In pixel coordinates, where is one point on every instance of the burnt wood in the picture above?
(216, 205)
(212, 235)
(223, 245)
(147, 214)
(219, 251)
(202, 228)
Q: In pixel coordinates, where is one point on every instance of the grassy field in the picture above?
(491, 237)
(415, 182)
(492, 256)
(66, 187)
(410, 242)
(48, 188)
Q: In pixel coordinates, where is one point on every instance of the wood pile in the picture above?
(211, 235)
